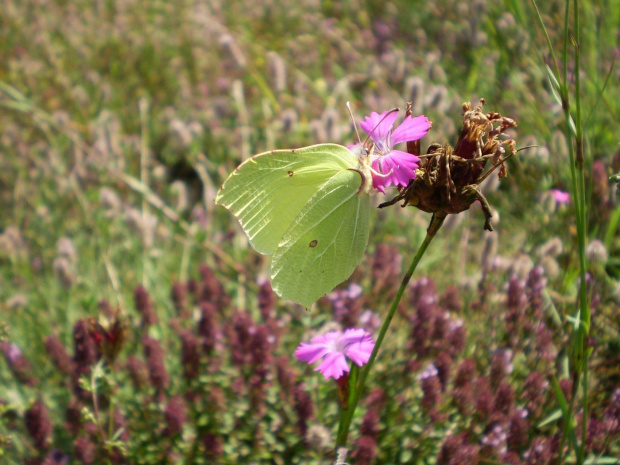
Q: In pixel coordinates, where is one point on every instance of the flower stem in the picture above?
(347, 415)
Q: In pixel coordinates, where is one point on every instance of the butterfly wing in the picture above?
(325, 242)
(268, 191)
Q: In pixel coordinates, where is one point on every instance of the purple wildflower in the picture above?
(138, 372)
(332, 347)
(540, 452)
(560, 197)
(58, 353)
(18, 364)
(190, 355)
(84, 450)
(145, 306)
(212, 444)
(155, 355)
(303, 408)
(394, 166)
(370, 424)
(347, 305)
(175, 415)
(39, 425)
(207, 326)
(286, 376)
(266, 300)
(179, 297)
(501, 366)
(56, 457)
(518, 430)
(495, 439)
(365, 451)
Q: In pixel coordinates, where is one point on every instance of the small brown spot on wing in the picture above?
(290, 173)
(313, 243)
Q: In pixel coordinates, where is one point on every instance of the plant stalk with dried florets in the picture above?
(447, 181)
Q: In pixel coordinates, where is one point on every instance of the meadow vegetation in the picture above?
(138, 326)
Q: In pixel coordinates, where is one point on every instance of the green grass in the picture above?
(132, 95)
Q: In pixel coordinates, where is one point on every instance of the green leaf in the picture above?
(571, 125)
(555, 85)
(602, 461)
(555, 416)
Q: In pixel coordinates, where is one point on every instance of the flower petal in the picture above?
(360, 352)
(310, 352)
(378, 126)
(352, 335)
(326, 338)
(379, 183)
(401, 167)
(411, 129)
(560, 196)
(333, 365)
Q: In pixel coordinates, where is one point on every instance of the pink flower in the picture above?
(332, 347)
(560, 196)
(397, 167)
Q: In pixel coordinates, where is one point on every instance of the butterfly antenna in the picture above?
(389, 112)
(359, 139)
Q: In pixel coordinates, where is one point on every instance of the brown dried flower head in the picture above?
(448, 178)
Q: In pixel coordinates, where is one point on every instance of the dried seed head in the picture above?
(65, 248)
(597, 252)
(552, 248)
(448, 180)
(110, 201)
(64, 272)
(277, 71)
(232, 49)
(414, 90)
(318, 437)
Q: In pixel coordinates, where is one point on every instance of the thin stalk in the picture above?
(347, 415)
(544, 29)
(581, 233)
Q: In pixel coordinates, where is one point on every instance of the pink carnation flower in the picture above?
(560, 196)
(397, 167)
(332, 347)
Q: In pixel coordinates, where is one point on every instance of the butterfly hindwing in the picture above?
(325, 242)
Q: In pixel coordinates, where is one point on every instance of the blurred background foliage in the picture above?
(119, 119)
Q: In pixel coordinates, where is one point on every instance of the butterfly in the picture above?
(309, 209)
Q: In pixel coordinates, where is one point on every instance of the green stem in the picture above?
(347, 415)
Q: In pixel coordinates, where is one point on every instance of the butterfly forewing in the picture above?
(268, 191)
(325, 243)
